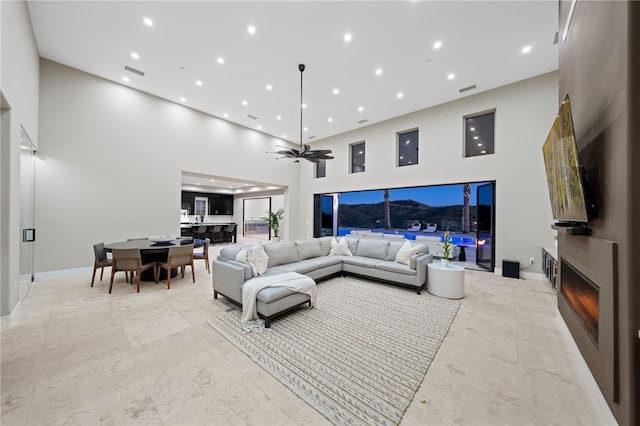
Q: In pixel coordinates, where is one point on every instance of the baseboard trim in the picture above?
(41, 276)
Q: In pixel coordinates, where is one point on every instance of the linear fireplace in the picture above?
(587, 302)
(583, 297)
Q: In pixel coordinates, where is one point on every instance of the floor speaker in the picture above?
(511, 269)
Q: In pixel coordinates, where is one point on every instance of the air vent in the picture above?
(466, 89)
(311, 137)
(556, 38)
(253, 117)
(133, 70)
(362, 121)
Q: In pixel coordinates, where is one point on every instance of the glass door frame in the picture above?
(486, 236)
(27, 212)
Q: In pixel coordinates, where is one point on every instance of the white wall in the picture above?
(19, 76)
(524, 114)
(111, 159)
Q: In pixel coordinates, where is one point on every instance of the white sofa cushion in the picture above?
(281, 253)
(325, 245)
(308, 248)
(372, 247)
(255, 257)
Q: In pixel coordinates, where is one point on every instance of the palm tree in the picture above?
(466, 194)
(387, 210)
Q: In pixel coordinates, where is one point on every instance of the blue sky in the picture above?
(441, 195)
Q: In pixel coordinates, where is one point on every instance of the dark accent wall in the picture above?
(600, 70)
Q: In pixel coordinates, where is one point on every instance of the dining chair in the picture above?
(179, 256)
(100, 261)
(204, 255)
(129, 260)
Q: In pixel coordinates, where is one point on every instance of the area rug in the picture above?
(359, 355)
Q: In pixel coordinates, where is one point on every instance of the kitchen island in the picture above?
(190, 230)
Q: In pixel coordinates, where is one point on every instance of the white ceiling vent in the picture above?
(362, 121)
(133, 70)
(311, 137)
(466, 89)
(253, 117)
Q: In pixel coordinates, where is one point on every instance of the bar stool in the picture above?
(215, 233)
(228, 232)
(200, 231)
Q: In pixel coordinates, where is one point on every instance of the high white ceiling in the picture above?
(481, 41)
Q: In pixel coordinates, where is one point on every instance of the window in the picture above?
(479, 134)
(201, 206)
(408, 148)
(321, 169)
(357, 157)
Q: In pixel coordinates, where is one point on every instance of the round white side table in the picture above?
(445, 281)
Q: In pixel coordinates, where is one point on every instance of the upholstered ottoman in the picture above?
(285, 292)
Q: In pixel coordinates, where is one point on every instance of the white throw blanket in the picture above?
(292, 280)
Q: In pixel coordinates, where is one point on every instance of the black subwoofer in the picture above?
(511, 269)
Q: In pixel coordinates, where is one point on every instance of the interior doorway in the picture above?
(253, 210)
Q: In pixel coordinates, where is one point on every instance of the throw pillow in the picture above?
(255, 257)
(340, 248)
(405, 253)
(258, 260)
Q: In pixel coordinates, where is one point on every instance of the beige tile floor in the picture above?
(73, 354)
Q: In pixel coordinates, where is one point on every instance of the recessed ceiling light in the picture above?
(329, 119)
(225, 115)
(259, 127)
(284, 136)
(360, 152)
(269, 87)
(305, 129)
(125, 79)
(402, 157)
(480, 144)
(148, 22)
(347, 37)
(407, 142)
(379, 71)
(304, 105)
(197, 183)
(198, 83)
(475, 137)
(220, 60)
(360, 109)
(183, 99)
(278, 117)
(437, 44)
(400, 95)
(251, 29)
(212, 180)
(336, 91)
(134, 55)
(451, 76)
(245, 103)
(526, 49)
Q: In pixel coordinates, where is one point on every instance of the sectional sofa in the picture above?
(374, 258)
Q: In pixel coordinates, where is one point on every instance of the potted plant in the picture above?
(273, 220)
(446, 248)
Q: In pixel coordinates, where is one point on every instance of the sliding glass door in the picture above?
(27, 197)
(485, 248)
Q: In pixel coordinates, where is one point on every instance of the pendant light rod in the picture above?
(301, 68)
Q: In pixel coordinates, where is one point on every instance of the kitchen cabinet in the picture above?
(219, 204)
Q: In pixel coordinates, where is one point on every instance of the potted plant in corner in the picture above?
(273, 220)
(446, 249)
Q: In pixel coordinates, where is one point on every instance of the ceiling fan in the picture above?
(305, 151)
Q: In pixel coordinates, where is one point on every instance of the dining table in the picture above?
(154, 249)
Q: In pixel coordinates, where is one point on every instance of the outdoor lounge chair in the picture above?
(431, 227)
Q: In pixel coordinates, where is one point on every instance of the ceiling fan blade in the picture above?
(318, 152)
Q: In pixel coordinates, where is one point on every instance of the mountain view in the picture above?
(404, 213)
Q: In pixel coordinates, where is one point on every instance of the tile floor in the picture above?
(73, 354)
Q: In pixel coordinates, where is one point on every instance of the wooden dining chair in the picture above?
(100, 261)
(205, 254)
(129, 260)
(179, 256)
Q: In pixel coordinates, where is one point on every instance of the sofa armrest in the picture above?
(227, 279)
(419, 263)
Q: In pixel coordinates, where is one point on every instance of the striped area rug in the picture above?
(359, 355)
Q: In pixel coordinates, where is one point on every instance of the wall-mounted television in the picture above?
(564, 174)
